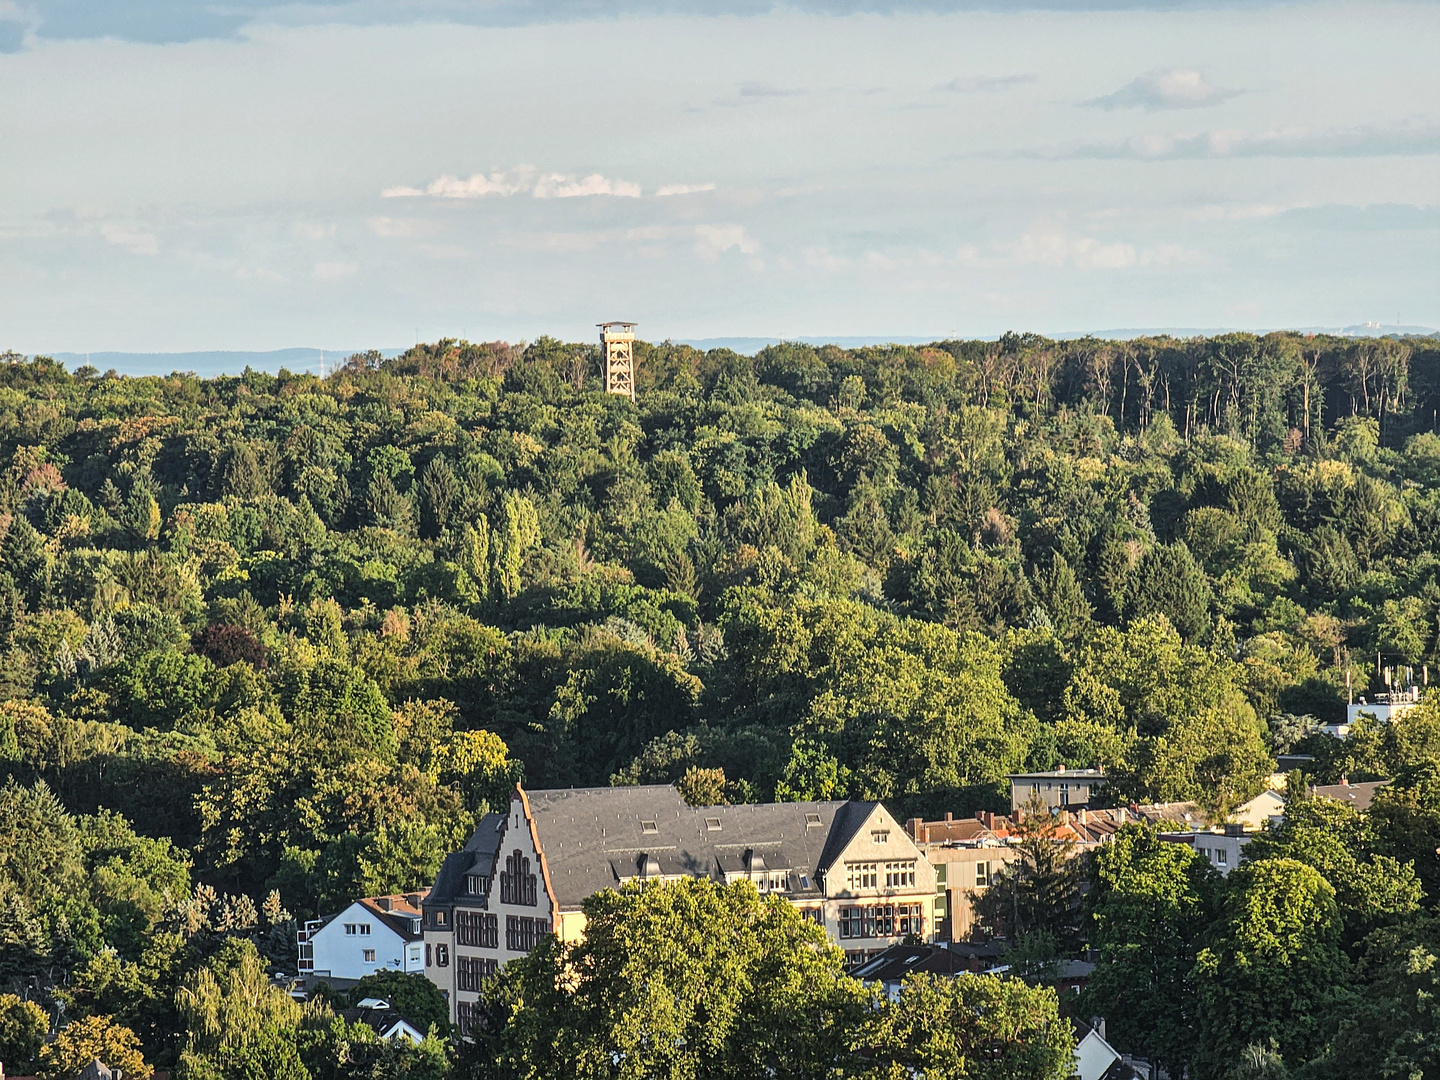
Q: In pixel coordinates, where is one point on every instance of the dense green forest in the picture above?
(268, 642)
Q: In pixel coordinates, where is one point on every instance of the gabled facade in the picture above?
(847, 866)
(377, 933)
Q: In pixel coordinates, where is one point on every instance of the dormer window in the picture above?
(477, 884)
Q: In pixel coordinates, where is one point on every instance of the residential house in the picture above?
(377, 933)
(1359, 795)
(847, 866)
(889, 968)
(1220, 849)
(1060, 789)
(1260, 812)
(1096, 1059)
(382, 1018)
(966, 853)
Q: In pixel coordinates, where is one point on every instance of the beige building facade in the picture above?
(849, 867)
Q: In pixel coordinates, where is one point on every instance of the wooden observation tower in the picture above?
(618, 341)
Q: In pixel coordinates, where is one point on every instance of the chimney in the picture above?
(383, 903)
(925, 829)
(949, 817)
(1344, 781)
(913, 826)
(1064, 817)
(1059, 768)
(1083, 815)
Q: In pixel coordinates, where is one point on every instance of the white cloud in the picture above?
(981, 84)
(1400, 140)
(402, 228)
(515, 181)
(1173, 88)
(136, 242)
(560, 186)
(713, 240)
(682, 189)
(335, 271)
(1049, 245)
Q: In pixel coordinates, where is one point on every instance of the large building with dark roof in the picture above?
(848, 866)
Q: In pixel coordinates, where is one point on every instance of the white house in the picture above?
(378, 1015)
(1096, 1059)
(377, 933)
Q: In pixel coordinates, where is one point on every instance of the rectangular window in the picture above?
(1035, 789)
(1064, 794)
(1222, 856)
(940, 874)
(712, 824)
(477, 884)
(517, 881)
(369, 956)
(364, 929)
(882, 920)
(813, 914)
(464, 1017)
(522, 933)
(880, 836)
(429, 957)
(982, 875)
(649, 827)
(899, 875)
(478, 928)
(861, 875)
(438, 917)
(470, 970)
(442, 955)
(812, 821)
(350, 928)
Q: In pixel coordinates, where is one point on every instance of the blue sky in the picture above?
(178, 175)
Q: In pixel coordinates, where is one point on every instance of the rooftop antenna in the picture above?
(617, 340)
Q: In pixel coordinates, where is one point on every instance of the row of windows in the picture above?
(868, 875)
(883, 920)
(517, 883)
(351, 929)
(522, 933)
(469, 971)
(477, 928)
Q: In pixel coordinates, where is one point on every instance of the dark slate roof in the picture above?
(896, 962)
(1359, 795)
(593, 838)
(479, 851)
(378, 1020)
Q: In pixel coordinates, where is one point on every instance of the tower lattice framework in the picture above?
(617, 339)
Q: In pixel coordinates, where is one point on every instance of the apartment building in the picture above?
(847, 866)
(373, 934)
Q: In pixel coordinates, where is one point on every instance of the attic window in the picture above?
(811, 820)
(712, 824)
(880, 836)
(649, 827)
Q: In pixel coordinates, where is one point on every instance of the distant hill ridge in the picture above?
(232, 362)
